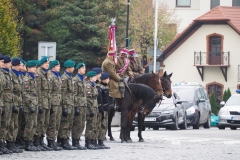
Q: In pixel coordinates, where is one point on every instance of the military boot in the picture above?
(52, 145)
(11, 148)
(17, 148)
(4, 150)
(100, 143)
(76, 143)
(58, 143)
(36, 143)
(44, 145)
(94, 142)
(65, 145)
(89, 145)
(20, 143)
(30, 147)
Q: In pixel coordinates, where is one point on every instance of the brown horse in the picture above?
(150, 79)
(137, 98)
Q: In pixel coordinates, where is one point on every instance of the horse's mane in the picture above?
(141, 91)
(142, 78)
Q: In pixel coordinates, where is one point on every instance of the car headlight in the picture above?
(223, 112)
(190, 110)
(168, 112)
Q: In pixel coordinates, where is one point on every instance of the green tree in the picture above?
(228, 93)
(214, 105)
(9, 37)
(225, 96)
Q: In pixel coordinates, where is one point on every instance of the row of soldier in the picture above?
(38, 101)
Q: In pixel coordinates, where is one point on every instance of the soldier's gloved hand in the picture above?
(121, 79)
(91, 114)
(40, 109)
(51, 111)
(76, 111)
(32, 110)
(64, 112)
(3, 110)
(14, 109)
(21, 108)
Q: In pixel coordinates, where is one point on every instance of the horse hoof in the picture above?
(141, 140)
(129, 141)
(112, 139)
(123, 141)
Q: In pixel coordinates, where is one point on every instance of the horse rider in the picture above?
(123, 68)
(135, 64)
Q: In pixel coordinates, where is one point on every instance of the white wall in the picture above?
(182, 60)
(188, 14)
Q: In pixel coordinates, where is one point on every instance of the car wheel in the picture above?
(207, 124)
(196, 125)
(184, 124)
(233, 128)
(132, 128)
(175, 126)
(155, 128)
(220, 127)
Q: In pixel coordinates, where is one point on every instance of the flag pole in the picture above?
(155, 35)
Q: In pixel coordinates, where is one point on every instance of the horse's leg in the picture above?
(110, 118)
(124, 121)
(140, 126)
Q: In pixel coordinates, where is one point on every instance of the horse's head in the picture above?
(155, 84)
(152, 103)
(166, 84)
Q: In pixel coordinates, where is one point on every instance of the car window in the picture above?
(185, 94)
(199, 95)
(202, 93)
(234, 100)
(167, 100)
(205, 93)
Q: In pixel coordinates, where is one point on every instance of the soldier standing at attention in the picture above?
(103, 108)
(135, 62)
(17, 105)
(3, 150)
(56, 109)
(43, 91)
(80, 104)
(67, 91)
(30, 105)
(91, 111)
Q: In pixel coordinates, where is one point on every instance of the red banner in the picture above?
(112, 38)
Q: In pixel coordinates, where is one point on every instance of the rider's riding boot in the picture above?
(100, 143)
(65, 145)
(76, 143)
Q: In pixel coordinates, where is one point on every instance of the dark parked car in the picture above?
(170, 115)
(196, 102)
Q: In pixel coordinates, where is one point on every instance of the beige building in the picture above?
(207, 52)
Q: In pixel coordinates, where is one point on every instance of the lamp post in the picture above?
(155, 36)
(127, 38)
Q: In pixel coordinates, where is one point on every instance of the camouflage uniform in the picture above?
(43, 90)
(80, 101)
(55, 117)
(2, 86)
(7, 102)
(29, 92)
(17, 95)
(67, 90)
(92, 105)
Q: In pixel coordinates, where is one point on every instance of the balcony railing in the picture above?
(212, 58)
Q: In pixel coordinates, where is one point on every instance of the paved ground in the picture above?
(164, 144)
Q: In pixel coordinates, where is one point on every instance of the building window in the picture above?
(183, 3)
(235, 2)
(214, 3)
(238, 86)
(238, 73)
(217, 89)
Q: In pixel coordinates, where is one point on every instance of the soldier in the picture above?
(135, 63)
(17, 105)
(43, 90)
(91, 110)
(21, 120)
(103, 108)
(123, 68)
(67, 105)
(30, 97)
(3, 150)
(56, 109)
(80, 104)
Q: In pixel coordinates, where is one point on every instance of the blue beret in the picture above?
(81, 64)
(105, 75)
(7, 59)
(31, 63)
(16, 61)
(43, 60)
(97, 70)
(53, 64)
(91, 74)
(1, 57)
(69, 64)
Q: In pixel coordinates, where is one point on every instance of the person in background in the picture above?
(135, 62)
